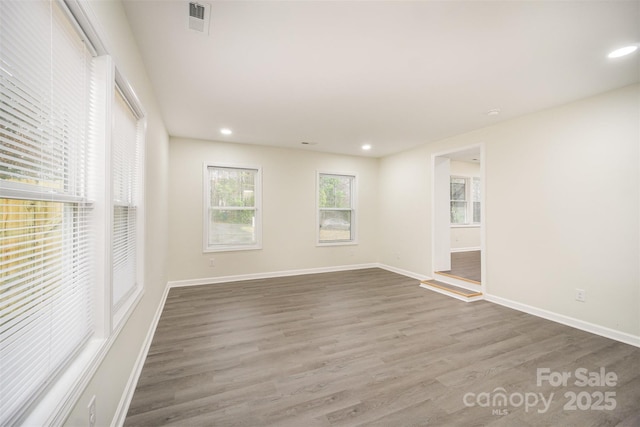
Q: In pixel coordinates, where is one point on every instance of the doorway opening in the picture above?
(458, 222)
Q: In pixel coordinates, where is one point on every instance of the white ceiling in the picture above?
(394, 74)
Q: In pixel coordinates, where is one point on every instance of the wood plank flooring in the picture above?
(466, 265)
(366, 347)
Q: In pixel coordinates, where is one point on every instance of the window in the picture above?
(232, 208)
(465, 200)
(125, 177)
(46, 263)
(336, 208)
(70, 206)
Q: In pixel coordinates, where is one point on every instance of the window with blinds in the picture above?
(125, 154)
(46, 262)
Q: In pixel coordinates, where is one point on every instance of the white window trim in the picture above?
(468, 200)
(206, 202)
(354, 210)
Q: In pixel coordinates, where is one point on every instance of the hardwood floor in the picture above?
(367, 347)
(466, 265)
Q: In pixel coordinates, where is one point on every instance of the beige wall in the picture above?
(289, 210)
(562, 209)
(578, 166)
(108, 383)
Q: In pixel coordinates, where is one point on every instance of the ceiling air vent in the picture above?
(199, 15)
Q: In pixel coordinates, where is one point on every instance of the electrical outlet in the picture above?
(581, 295)
(92, 411)
(212, 262)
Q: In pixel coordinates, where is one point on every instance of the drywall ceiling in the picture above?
(394, 74)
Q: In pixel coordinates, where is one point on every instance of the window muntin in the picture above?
(336, 208)
(232, 201)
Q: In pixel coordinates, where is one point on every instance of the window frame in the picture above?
(122, 309)
(469, 202)
(206, 206)
(353, 209)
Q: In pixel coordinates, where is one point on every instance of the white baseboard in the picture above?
(403, 272)
(127, 395)
(566, 320)
(267, 275)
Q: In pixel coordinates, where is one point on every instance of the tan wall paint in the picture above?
(289, 210)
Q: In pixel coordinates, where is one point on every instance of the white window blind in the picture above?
(45, 217)
(125, 177)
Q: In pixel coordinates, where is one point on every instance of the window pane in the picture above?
(458, 212)
(475, 189)
(232, 227)
(476, 212)
(45, 292)
(232, 187)
(124, 252)
(458, 189)
(335, 225)
(335, 191)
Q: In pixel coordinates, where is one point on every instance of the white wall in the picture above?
(465, 168)
(289, 210)
(109, 381)
(578, 167)
(465, 237)
(562, 209)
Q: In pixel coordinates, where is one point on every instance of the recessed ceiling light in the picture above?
(225, 131)
(366, 147)
(493, 112)
(623, 51)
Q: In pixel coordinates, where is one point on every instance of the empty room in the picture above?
(319, 213)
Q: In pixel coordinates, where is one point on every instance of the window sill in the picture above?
(231, 249)
(465, 225)
(322, 244)
(58, 401)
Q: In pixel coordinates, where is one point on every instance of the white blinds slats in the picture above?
(125, 160)
(46, 245)
(36, 107)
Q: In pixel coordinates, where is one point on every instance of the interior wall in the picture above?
(109, 381)
(577, 166)
(562, 208)
(288, 206)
